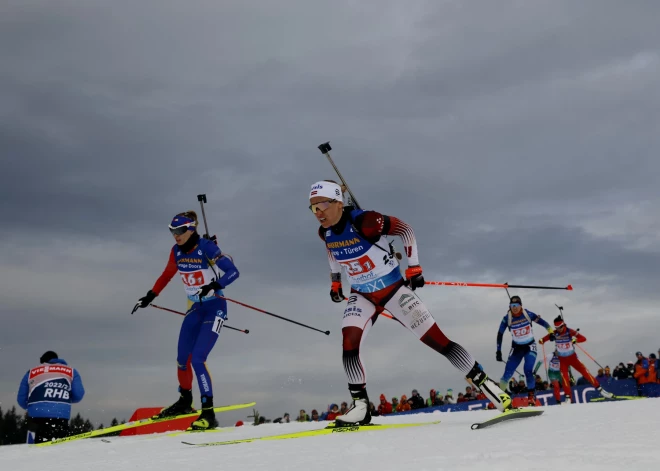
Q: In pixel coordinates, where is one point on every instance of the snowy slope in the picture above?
(605, 436)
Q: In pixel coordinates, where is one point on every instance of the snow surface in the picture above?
(602, 436)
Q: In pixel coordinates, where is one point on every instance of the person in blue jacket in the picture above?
(195, 258)
(47, 392)
(523, 346)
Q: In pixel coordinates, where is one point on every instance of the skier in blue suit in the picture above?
(523, 346)
(46, 393)
(195, 259)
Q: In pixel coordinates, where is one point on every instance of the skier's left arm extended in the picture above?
(536, 318)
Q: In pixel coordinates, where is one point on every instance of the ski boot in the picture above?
(531, 398)
(206, 419)
(478, 378)
(605, 394)
(358, 413)
(182, 406)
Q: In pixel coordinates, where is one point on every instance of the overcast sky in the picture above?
(519, 139)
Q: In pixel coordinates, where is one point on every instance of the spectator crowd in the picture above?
(644, 370)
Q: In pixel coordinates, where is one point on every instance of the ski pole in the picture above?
(537, 366)
(326, 332)
(544, 362)
(493, 285)
(384, 314)
(245, 331)
(585, 352)
(519, 374)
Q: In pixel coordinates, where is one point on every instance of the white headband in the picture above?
(328, 189)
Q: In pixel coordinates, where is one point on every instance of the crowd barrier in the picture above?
(581, 394)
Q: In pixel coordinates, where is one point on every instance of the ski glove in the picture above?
(144, 301)
(552, 337)
(498, 355)
(415, 277)
(574, 339)
(206, 289)
(336, 293)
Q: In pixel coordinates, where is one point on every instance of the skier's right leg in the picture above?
(359, 315)
(187, 336)
(564, 365)
(410, 311)
(528, 369)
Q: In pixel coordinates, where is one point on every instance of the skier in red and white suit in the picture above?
(356, 243)
(564, 340)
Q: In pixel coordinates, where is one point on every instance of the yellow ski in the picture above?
(138, 423)
(617, 398)
(510, 414)
(312, 433)
(186, 432)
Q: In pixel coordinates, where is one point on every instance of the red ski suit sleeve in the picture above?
(374, 224)
(579, 338)
(169, 271)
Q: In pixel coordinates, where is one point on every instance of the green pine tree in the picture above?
(11, 428)
(76, 425)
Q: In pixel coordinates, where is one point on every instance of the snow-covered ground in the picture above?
(605, 436)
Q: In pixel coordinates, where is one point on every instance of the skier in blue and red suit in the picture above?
(195, 258)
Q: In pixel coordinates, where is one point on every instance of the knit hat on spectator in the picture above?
(638, 354)
(48, 356)
(652, 355)
(450, 392)
(382, 397)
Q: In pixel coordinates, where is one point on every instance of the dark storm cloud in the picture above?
(519, 139)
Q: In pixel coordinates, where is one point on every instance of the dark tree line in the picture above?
(13, 426)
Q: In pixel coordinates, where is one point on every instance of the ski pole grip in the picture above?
(325, 147)
(201, 198)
